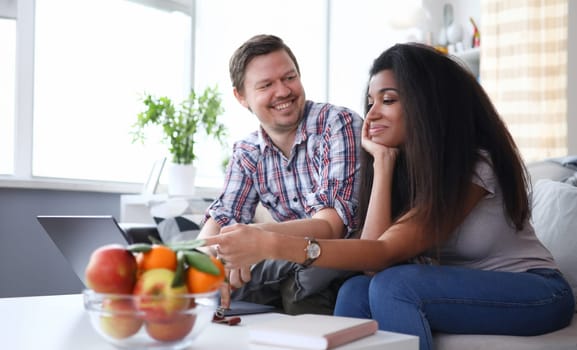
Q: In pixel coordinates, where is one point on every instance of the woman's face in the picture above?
(385, 115)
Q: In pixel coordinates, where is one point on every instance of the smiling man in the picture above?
(301, 165)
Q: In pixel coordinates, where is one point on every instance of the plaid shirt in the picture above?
(322, 171)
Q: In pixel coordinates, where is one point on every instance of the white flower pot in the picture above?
(181, 179)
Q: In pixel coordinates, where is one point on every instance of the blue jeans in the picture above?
(423, 299)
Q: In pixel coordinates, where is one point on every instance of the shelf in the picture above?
(472, 58)
(140, 209)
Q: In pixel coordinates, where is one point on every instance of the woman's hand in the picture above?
(240, 245)
(378, 217)
(377, 150)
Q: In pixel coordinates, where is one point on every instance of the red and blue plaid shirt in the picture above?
(321, 172)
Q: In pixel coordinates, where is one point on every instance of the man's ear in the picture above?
(240, 98)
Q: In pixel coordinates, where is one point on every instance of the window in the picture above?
(7, 93)
(525, 69)
(94, 60)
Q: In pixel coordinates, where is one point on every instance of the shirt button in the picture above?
(288, 168)
(295, 199)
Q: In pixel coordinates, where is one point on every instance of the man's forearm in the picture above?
(324, 224)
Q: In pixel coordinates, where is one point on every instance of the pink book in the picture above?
(310, 331)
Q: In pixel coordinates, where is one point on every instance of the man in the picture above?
(301, 165)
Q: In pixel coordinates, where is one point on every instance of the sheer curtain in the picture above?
(524, 71)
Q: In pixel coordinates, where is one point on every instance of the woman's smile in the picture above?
(375, 129)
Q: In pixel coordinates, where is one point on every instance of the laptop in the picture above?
(78, 236)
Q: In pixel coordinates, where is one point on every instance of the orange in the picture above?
(201, 282)
(159, 257)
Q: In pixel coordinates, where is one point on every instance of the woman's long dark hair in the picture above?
(448, 119)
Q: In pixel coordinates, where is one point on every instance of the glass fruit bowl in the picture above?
(150, 321)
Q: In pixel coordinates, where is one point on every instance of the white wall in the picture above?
(358, 34)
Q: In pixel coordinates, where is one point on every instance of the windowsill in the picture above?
(42, 183)
(69, 185)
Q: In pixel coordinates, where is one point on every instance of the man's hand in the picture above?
(240, 246)
(238, 277)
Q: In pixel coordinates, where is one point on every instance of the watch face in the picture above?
(313, 250)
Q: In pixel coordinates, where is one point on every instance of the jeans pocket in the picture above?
(549, 273)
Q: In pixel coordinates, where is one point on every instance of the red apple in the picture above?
(119, 318)
(172, 330)
(111, 269)
(156, 296)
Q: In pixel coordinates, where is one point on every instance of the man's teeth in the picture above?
(282, 106)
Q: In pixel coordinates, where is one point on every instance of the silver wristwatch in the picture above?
(312, 251)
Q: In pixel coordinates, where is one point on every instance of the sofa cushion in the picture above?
(176, 220)
(555, 220)
(558, 169)
(177, 228)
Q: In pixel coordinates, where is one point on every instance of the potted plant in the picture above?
(180, 124)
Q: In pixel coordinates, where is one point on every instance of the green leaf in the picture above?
(179, 274)
(201, 262)
(186, 245)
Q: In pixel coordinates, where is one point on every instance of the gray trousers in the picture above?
(292, 288)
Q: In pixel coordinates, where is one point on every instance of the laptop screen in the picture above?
(78, 236)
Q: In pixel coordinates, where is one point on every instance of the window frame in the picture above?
(22, 176)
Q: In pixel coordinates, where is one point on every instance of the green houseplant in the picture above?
(180, 125)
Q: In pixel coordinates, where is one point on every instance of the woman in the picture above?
(444, 183)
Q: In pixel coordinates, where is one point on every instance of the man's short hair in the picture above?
(261, 44)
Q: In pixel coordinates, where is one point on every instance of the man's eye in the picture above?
(263, 86)
(369, 106)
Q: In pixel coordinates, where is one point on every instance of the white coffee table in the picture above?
(60, 323)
